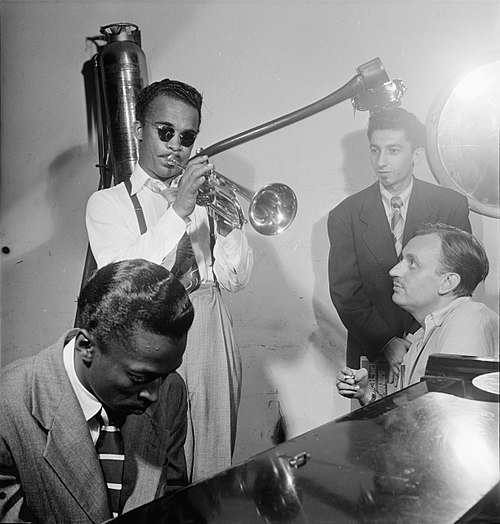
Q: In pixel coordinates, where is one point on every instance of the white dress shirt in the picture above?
(464, 327)
(114, 233)
(88, 402)
(405, 197)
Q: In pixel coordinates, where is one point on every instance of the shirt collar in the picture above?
(405, 197)
(139, 179)
(418, 340)
(88, 402)
(437, 318)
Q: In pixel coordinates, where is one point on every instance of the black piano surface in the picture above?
(426, 454)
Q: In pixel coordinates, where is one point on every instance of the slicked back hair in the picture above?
(171, 88)
(399, 119)
(126, 297)
(461, 253)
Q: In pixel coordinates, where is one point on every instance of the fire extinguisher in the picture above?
(120, 73)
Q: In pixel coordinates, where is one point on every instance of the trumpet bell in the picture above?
(272, 209)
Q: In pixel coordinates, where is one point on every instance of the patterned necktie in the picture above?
(184, 265)
(110, 450)
(397, 224)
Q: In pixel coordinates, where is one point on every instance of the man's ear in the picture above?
(449, 282)
(137, 129)
(418, 155)
(84, 345)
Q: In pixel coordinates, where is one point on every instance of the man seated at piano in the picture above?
(95, 425)
(440, 269)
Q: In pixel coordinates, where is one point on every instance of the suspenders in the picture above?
(137, 207)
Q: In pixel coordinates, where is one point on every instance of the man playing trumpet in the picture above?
(154, 216)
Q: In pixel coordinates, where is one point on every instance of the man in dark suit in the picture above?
(114, 374)
(364, 245)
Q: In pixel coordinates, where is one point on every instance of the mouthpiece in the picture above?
(171, 160)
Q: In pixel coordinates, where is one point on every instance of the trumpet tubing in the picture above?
(272, 208)
(369, 90)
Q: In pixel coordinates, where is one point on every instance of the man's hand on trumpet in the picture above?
(189, 185)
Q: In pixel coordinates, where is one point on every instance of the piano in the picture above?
(426, 454)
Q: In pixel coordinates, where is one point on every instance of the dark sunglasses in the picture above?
(166, 133)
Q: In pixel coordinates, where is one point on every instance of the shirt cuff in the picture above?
(232, 240)
(171, 221)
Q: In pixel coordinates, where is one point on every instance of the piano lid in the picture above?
(420, 455)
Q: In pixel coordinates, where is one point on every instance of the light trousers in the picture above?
(211, 368)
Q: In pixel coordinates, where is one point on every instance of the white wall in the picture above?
(254, 61)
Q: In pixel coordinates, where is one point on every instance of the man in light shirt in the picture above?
(113, 373)
(434, 282)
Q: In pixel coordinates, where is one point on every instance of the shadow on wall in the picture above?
(357, 169)
(275, 346)
(265, 340)
(261, 423)
(57, 257)
(330, 336)
(73, 177)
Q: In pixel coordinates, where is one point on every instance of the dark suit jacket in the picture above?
(362, 253)
(49, 470)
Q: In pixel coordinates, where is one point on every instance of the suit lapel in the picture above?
(418, 212)
(69, 449)
(377, 233)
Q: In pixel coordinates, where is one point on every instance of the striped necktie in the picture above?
(184, 265)
(397, 224)
(110, 450)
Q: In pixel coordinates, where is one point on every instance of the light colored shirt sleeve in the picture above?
(477, 336)
(114, 233)
(233, 260)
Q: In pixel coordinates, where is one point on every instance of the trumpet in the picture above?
(271, 210)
